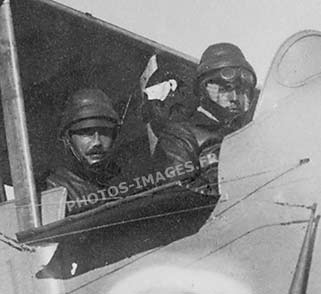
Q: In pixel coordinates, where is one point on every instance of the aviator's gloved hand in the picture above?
(177, 145)
(168, 100)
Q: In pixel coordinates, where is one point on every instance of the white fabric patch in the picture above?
(161, 91)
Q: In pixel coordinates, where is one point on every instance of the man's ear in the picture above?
(66, 140)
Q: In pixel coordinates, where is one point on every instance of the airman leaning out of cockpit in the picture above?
(224, 101)
(225, 83)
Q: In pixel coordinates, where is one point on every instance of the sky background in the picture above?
(258, 27)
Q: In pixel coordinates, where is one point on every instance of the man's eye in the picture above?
(106, 132)
(89, 134)
(210, 82)
(84, 132)
(229, 87)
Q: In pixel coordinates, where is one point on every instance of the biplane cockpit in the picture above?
(255, 224)
(57, 52)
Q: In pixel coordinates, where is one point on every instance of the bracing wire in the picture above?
(175, 212)
(110, 199)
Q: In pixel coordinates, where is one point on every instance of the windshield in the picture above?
(301, 61)
(296, 63)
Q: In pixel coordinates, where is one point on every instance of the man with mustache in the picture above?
(91, 172)
(88, 130)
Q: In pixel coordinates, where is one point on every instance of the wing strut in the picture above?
(15, 125)
(301, 275)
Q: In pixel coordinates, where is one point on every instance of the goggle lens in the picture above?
(228, 75)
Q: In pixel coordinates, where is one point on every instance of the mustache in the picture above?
(95, 150)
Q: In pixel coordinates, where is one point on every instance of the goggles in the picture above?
(231, 92)
(231, 78)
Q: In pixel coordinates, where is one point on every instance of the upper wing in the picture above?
(61, 50)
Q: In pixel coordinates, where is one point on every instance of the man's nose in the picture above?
(96, 139)
(233, 96)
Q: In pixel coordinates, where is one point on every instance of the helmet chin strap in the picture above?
(68, 146)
